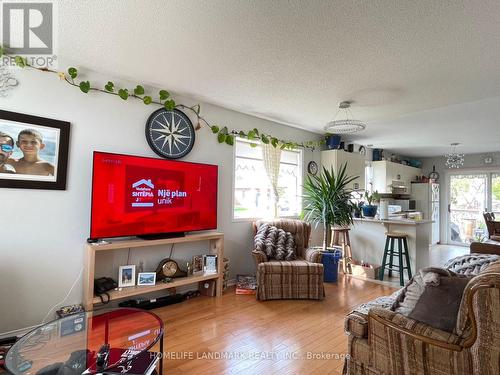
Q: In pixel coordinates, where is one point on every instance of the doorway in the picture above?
(470, 194)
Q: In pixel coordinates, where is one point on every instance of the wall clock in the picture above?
(170, 134)
(312, 168)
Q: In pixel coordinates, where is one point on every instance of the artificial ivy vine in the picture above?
(163, 98)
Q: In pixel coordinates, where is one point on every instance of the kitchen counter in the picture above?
(368, 240)
(394, 221)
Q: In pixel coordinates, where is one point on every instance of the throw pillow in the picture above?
(275, 243)
(260, 237)
(410, 294)
(439, 304)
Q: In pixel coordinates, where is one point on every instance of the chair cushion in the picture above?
(297, 267)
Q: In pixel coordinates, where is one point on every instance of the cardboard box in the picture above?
(368, 272)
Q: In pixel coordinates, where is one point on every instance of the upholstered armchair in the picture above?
(296, 279)
(492, 225)
(388, 343)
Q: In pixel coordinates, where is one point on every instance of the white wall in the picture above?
(471, 162)
(43, 232)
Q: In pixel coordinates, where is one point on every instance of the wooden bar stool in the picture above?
(340, 238)
(390, 250)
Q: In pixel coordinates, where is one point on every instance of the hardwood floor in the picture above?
(239, 335)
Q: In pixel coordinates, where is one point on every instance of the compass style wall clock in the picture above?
(170, 134)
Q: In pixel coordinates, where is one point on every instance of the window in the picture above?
(253, 195)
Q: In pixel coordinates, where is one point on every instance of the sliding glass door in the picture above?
(495, 194)
(470, 194)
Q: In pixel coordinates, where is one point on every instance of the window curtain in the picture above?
(272, 158)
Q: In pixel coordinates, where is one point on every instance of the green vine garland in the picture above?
(223, 134)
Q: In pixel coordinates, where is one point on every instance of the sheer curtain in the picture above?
(272, 157)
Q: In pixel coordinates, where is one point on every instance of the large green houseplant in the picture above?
(327, 200)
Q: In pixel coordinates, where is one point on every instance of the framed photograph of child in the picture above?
(33, 151)
(146, 279)
(126, 276)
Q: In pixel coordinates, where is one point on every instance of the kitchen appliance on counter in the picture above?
(426, 196)
(406, 204)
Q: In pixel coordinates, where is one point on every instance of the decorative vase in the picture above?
(369, 210)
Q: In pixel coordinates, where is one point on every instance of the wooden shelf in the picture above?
(216, 246)
(137, 290)
(125, 244)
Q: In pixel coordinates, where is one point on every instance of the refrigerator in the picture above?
(426, 196)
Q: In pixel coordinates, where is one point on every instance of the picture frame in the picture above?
(38, 154)
(146, 279)
(126, 276)
(197, 264)
(210, 263)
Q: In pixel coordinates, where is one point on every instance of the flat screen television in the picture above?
(149, 197)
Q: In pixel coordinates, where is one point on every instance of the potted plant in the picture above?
(327, 200)
(370, 210)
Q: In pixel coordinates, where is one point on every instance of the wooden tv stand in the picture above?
(216, 240)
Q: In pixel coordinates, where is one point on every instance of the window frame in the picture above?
(233, 184)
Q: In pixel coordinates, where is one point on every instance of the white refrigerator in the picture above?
(426, 196)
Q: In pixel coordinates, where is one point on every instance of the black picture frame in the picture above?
(62, 147)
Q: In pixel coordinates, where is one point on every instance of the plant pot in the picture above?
(369, 210)
(333, 142)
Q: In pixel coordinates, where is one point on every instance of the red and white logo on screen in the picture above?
(143, 193)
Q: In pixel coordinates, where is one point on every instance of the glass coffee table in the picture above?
(102, 341)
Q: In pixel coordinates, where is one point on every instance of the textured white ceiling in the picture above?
(294, 61)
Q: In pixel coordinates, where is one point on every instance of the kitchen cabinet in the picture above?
(385, 172)
(355, 165)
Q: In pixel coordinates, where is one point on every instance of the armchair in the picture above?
(388, 343)
(492, 226)
(296, 279)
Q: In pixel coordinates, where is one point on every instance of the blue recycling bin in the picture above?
(331, 262)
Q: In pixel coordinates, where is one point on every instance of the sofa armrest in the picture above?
(379, 320)
(356, 324)
(259, 256)
(485, 247)
(312, 255)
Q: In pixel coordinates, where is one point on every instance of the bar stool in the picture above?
(340, 238)
(390, 250)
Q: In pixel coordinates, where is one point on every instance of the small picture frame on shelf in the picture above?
(210, 263)
(146, 279)
(197, 264)
(126, 276)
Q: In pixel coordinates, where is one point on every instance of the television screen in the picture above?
(133, 196)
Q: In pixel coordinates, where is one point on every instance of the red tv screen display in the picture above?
(133, 196)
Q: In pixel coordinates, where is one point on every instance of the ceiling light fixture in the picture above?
(454, 159)
(347, 125)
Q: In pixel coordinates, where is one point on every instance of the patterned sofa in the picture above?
(383, 342)
(296, 279)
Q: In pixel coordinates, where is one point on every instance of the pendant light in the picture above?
(345, 125)
(454, 160)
